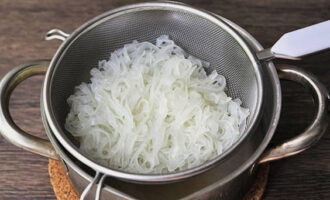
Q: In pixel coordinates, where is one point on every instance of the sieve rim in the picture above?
(67, 144)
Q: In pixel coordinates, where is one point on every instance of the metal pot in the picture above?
(227, 180)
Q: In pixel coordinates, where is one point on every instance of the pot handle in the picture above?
(313, 132)
(8, 129)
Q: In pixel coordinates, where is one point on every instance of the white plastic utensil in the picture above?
(299, 43)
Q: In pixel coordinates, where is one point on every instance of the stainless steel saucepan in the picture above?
(250, 74)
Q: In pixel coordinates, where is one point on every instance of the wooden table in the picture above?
(23, 25)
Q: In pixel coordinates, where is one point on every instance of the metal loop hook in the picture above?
(56, 34)
(99, 187)
(90, 186)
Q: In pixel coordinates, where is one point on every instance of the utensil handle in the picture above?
(8, 129)
(98, 182)
(314, 131)
(301, 42)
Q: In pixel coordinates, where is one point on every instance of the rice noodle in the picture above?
(153, 109)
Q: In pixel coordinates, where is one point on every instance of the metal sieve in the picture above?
(199, 33)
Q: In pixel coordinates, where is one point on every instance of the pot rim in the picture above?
(145, 177)
(248, 163)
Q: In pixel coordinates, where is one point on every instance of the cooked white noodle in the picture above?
(153, 109)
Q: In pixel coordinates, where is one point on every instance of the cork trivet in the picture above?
(62, 186)
(64, 190)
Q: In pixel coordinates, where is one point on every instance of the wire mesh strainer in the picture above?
(196, 31)
(201, 34)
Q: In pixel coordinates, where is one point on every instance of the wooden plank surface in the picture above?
(23, 24)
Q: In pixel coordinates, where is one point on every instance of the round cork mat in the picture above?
(62, 186)
(64, 190)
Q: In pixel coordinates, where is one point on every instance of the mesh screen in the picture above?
(196, 35)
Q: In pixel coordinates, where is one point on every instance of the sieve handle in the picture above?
(98, 182)
(8, 129)
(320, 122)
(299, 43)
